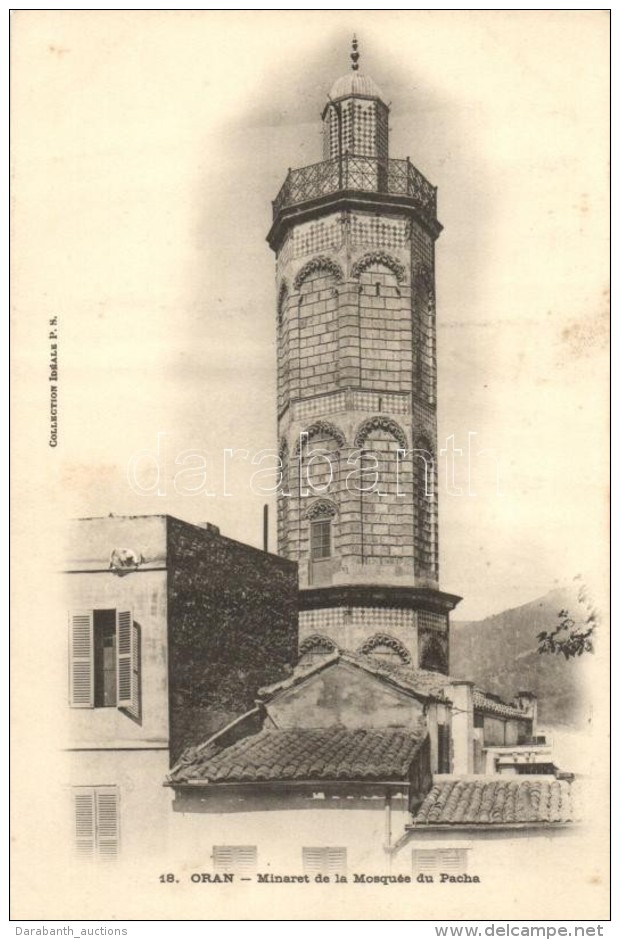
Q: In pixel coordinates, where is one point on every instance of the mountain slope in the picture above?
(500, 654)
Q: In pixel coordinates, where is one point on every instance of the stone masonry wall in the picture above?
(385, 331)
(356, 328)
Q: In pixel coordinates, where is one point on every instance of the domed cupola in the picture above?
(355, 118)
(355, 84)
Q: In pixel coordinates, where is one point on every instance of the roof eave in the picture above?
(487, 827)
(282, 782)
(347, 198)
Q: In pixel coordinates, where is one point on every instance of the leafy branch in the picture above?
(570, 637)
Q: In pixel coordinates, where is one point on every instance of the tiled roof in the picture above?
(305, 754)
(497, 802)
(486, 703)
(420, 682)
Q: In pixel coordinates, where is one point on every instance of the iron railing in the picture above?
(357, 174)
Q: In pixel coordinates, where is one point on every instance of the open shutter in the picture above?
(127, 663)
(84, 814)
(107, 823)
(81, 666)
(135, 672)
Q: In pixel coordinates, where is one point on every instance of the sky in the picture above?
(148, 146)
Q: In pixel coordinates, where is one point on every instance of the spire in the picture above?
(354, 54)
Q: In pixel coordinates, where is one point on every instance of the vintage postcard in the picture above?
(310, 407)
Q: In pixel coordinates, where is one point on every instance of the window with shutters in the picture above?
(104, 661)
(96, 816)
(104, 637)
(452, 861)
(235, 859)
(324, 860)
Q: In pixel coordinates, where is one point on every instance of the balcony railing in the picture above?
(357, 174)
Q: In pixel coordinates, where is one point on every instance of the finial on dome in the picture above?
(354, 54)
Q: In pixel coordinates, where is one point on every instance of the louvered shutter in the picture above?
(84, 814)
(246, 858)
(426, 861)
(127, 663)
(452, 861)
(223, 859)
(336, 861)
(81, 665)
(235, 859)
(106, 802)
(324, 860)
(312, 860)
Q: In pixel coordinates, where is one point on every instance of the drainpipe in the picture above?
(266, 527)
(388, 828)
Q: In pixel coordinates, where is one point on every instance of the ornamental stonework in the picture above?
(379, 423)
(378, 232)
(383, 639)
(317, 643)
(324, 429)
(379, 257)
(320, 264)
(316, 237)
(322, 509)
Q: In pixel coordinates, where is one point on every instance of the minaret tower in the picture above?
(354, 239)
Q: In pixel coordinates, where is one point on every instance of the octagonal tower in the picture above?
(354, 238)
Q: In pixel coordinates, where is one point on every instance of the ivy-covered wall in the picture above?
(232, 628)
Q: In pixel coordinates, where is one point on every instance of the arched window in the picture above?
(433, 655)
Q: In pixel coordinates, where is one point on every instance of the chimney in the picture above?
(528, 703)
(461, 691)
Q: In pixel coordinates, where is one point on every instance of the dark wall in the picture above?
(232, 622)
(420, 776)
